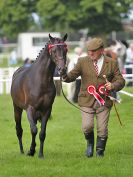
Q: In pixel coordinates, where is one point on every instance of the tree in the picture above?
(99, 16)
(16, 16)
(58, 15)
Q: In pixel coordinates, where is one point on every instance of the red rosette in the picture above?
(92, 90)
(102, 90)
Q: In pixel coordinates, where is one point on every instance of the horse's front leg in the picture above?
(33, 127)
(42, 134)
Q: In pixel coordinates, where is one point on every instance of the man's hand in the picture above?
(109, 86)
(63, 72)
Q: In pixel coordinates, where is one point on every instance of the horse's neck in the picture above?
(44, 66)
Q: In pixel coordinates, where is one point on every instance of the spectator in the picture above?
(108, 50)
(111, 51)
(73, 88)
(27, 62)
(120, 49)
(13, 57)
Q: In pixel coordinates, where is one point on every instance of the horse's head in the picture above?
(58, 51)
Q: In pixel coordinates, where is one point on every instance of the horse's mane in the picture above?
(56, 40)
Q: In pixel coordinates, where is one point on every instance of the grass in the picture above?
(65, 145)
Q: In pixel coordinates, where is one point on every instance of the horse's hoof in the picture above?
(41, 156)
(22, 152)
(30, 153)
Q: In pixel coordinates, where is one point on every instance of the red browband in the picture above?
(52, 45)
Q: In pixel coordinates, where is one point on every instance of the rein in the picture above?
(118, 116)
(69, 100)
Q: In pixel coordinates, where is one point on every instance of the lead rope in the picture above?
(69, 100)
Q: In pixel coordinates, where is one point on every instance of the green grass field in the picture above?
(65, 145)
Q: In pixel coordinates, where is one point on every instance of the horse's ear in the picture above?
(65, 37)
(51, 38)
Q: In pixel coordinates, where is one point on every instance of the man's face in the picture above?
(95, 54)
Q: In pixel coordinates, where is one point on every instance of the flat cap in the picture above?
(95, 43)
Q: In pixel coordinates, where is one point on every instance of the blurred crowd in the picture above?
(123, 53)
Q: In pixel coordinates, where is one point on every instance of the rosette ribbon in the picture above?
(104, 91)
(92, 90)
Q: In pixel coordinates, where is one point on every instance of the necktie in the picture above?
(96, 67)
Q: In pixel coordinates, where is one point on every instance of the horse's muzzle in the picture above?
(62, 71)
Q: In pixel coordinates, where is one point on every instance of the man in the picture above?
(97, 71)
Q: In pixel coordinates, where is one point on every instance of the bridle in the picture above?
(57, 44)
(50, 46)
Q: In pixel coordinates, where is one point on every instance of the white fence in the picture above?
(6, 78)
(129, 77)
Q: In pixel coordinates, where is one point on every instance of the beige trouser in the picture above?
(102, 116)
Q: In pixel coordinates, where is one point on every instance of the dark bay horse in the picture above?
(33, 90)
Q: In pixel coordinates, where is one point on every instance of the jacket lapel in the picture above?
(91, 67)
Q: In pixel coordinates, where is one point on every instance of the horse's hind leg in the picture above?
(19, 131)
(33, 127)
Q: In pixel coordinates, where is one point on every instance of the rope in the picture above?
(69, 100)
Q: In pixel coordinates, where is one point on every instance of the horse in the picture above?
(33, 91)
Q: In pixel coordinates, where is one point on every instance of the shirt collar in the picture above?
(100, 59)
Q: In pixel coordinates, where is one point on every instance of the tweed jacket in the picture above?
(86, 70)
